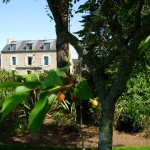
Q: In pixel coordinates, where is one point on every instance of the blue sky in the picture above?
(28, 20)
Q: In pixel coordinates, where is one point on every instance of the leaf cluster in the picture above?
(46, 92)
(108, 31)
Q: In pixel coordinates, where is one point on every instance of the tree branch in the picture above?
(137, 20)
(131, 53)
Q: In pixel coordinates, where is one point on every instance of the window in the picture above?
(46, 60)
(14, 61)
(30, 60)
(29, 46)
(46, 46)
(13, 47)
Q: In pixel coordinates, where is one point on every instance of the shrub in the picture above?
(30, 77)
(6, 76)
(18, 119)
(133, 108)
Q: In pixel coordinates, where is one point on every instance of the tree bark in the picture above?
(62, 50)
(60, 13)
(106, 126)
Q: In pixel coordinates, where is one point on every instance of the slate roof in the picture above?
(37, 45)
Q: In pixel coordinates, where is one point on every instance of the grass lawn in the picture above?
(132, 148)
(26, 147)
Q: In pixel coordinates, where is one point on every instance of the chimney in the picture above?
(9, 40)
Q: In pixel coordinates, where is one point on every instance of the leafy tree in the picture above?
(110, 49)
(111, 36)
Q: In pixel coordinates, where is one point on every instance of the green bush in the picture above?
(30, 77)
(18, 119)
(6, 76)
(133, 108)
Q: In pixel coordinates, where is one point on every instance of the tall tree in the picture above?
(110, 48)
(61, 10)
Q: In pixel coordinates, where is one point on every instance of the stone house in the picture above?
(29, 56)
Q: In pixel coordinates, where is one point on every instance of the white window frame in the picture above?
(11, 60)
(26, 60)
(46, 63)
(45, 46)
(12, 48)
(28, 45)
(49, 60)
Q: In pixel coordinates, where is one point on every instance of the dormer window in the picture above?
(46, 46)
(29, 46)
(13, 47)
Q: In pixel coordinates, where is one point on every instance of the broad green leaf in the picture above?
(22, 89)
(83, 91)
(15, 84)
(39, 112)
(144, 44)
(11, 102)
(51, 99)
(62, 71)
(52, 79)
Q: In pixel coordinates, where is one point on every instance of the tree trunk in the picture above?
(106, 126)
(60, 13)
(62, 50)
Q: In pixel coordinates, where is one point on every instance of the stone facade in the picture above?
(17, 56)
(22, 67)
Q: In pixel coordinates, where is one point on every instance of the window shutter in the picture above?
(25, 61)
(16, 60)
(32, 60)
(10, 61)
(42, 60)
(49, 60)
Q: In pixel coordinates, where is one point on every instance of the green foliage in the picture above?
(63, 118)
(39, 111)
(13, 101)
(132, 148)
(28, 147)
(30, 77)
(15, 120)
(82, 91)
(134, 106)
(53, 79)
(46, 93)
(6, 76)
(31, 147)
(144, 45)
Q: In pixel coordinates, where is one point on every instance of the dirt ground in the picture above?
(51, 135)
